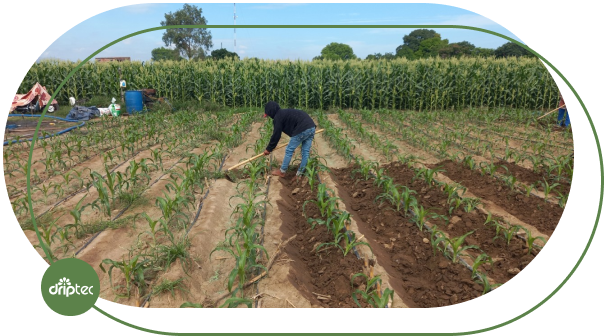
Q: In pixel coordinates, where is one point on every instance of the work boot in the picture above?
(277, 172)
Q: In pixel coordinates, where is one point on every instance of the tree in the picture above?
(223, 53)
(190, 42)
(512, 49)
(405, 51)
(414, 38)
(378, 56)
(337, 51)
(421, 43)
(457, 50)
(430, 47)
(483, 52)
(164, 54)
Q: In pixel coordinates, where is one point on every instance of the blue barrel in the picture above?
(134, 102)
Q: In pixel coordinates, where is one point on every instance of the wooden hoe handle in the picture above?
(262, 154)
(550, 112)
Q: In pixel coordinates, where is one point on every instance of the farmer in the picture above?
(563, 117)
(301, 129)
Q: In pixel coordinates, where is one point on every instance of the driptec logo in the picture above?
(64, 287)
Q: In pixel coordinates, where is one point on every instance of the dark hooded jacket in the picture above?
(289, 121)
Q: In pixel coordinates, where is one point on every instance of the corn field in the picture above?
(427, 84)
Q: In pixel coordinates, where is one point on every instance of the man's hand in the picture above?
(266, 152)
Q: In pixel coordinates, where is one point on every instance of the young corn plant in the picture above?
(324, 202)
(562, 198)
(365, 168)
(242, 265)
(456, 246)
(469, 162)
(132, 269)
(530, 240)
(509, 181)
(311, 174)
(400, 197)
(470, 203)
(371, 294)
(421, 215)
(547, 188)
(455, 203)
(436, 238)
(508, 231)
(483, 280)
(480, 260)
(528, 189)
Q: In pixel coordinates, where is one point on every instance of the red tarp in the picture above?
(38, 91)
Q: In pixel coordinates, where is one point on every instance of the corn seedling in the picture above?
(133, 271)
(456, 245)
(324, 202)
(483, 280)
(371, 294)
(547, 188)
(479, 261)
(508, 231)
(530, 239)
(470, 203)
(400, 197)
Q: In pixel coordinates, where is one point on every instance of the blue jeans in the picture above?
(563, 117)
(304, 138)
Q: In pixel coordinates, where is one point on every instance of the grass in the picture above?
(170, 286)
(100, 225)
(26, 223)
(132, 198)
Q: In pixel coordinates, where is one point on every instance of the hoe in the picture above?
(227, 172)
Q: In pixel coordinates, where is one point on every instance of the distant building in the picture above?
(111, 59)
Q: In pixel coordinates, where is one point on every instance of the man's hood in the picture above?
(271, 109)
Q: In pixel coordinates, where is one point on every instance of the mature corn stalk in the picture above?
(400, 84)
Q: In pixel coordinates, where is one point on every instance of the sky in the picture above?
(291, 43)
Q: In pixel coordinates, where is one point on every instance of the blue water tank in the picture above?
(134, 102)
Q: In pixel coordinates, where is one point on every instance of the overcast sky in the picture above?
(90, 35)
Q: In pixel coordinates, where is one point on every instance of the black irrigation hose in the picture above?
(86, 188)
(148, 297)
(268, 185)
(88, 242)
(124, 210)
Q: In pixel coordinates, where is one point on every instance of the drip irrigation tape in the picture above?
(88, 242)
(48, 136)
(268, 186)
(354, 249)
(86, 188)
(148, 297)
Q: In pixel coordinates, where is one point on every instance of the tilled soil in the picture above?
(328, 272)
(532, 210)
(505, 258)
(528, 177)
(426, 279)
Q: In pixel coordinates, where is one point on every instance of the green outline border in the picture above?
(35, 137)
